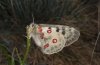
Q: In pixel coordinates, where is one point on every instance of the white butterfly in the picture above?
(52, 38)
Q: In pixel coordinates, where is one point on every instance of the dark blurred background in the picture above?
(15, 15)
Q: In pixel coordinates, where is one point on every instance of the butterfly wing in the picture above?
(53, 38)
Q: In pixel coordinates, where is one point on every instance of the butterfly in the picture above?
(52, 38)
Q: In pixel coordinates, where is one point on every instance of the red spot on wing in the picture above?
(39, 29)
(49, 30)
(46, 45)
(54, 40)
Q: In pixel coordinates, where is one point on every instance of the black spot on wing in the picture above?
(49, 27)
(57, 29)
(63, 30)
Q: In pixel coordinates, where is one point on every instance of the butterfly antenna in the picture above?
(33, 18)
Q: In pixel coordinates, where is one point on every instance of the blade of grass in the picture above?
(12, 59)
(20, 60)
(27, 50)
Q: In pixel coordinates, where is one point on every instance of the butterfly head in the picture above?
(30, 30)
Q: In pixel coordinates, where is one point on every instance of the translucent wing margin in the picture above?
(71, 36)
